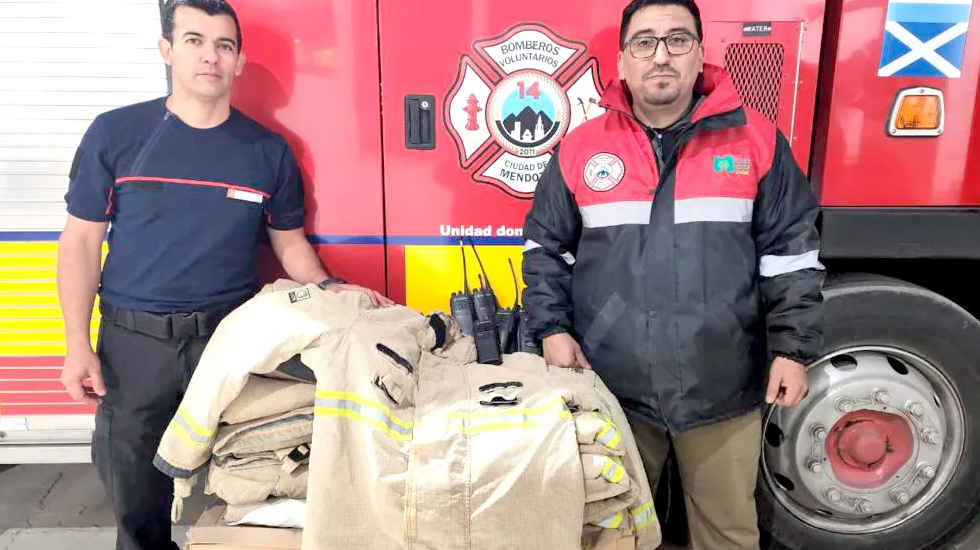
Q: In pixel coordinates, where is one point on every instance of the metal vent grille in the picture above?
(757, 70)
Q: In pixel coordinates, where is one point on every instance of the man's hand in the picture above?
(377, 299)
(787, 382)
(78, 367)
(561, 350)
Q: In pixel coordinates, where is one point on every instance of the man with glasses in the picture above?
(672, 246)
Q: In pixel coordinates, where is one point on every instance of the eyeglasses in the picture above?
(678, 43)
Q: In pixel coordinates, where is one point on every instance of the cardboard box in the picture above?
(210, 533)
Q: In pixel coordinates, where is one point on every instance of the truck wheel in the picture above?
(884, 452)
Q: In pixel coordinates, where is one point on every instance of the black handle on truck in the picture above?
(420, 128)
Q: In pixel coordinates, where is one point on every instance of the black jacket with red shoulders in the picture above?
(680, 283)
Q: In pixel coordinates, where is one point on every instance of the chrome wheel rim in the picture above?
(885, 381)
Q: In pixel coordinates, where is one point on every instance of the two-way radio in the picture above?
(461, 303)
(485, 332)
(495, 330)
(509, 318)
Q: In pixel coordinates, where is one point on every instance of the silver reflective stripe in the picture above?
(609, 436)
(770, 266)
(643, 515)
(616, 213)
(196, 437)
(612, 522)
(366, 412)
(530, 245)
(713, 209)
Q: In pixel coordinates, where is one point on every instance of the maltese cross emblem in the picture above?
(514, 99)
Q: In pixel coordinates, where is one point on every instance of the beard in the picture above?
(663, 93)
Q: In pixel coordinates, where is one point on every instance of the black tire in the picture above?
(873, 310)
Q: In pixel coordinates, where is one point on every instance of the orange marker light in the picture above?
(918, 112)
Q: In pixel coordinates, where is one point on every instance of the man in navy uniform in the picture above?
(188, 185)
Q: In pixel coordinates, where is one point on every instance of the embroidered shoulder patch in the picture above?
(604, 171)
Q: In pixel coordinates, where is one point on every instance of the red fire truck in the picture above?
(417, 123)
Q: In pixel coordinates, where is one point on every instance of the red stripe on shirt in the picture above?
(194, 182)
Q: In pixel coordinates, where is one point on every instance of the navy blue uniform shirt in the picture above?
(186, 206)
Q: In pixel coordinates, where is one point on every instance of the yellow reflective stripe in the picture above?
(367, 403)
(612, 471)
(607, 467)
(511, 426)
(612, 522)
(643, 515)
(354, 415)
(511, 419)
(198, 430)
(609, 435)
(181, 431)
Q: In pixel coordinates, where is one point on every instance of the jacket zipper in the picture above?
(664, 170)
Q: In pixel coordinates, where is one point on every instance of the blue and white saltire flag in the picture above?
(924, 38)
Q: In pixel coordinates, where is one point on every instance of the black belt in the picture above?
(167, 325)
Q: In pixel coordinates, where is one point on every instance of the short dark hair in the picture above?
(637, 5)
(210, 7)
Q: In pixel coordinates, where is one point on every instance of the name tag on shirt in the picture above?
(241, 195)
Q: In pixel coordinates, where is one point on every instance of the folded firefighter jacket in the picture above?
(416, 446)
(262, 458)
(261, 447)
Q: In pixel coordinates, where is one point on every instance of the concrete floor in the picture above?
(54, 506)
(67, 538)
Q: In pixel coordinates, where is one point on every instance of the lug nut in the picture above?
(845, 405)
(820, 432)
(928, 471)
(916, 409)
(815, 466)
(864, 506)
(882, 397)
(930, 436)
(833, 495)
(900, 497)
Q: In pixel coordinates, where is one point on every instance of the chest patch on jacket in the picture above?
(603, 171)
(732, 164)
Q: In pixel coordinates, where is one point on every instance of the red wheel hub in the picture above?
(866, 448)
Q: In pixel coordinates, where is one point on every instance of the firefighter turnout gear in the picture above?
(415, 445)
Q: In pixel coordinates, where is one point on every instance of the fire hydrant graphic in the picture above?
(472, 109)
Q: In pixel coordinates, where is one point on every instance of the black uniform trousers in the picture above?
(147, 362)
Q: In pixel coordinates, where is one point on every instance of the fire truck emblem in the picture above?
(604, 171)
(507, 114)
